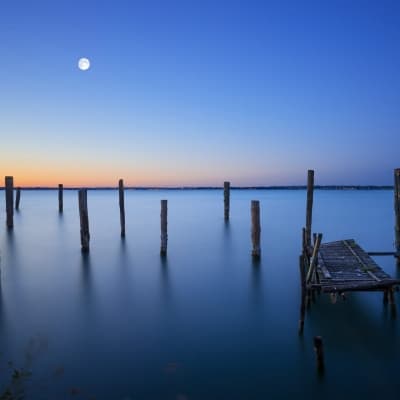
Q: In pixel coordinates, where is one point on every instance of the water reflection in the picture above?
(164, 279)
(86, 267)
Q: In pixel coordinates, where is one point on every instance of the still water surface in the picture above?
(206, 323)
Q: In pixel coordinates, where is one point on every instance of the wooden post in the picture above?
(60, 198)
(227, 187)
(310, 196)
(9, 190)
(255, 228)
(303, 294)
(164, 226)
(319, 353)
(314, 258)
(84, 220)
(17, 198)
(397, 207)
(121, 206)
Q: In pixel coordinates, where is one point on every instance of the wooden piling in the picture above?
(303, 294)
(227, 187)
(314, 258)
(9, 191)
(164, 227)
(121, 206)
(319, 353)
(310, 197)
(84, 220)
(60, 198)
(397, 207)
(17, 198)
(255, 228)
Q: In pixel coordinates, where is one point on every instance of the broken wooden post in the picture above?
(255, 228)
(310, 196)
(397, 207)
(9, 190)
(60, 198)
(319, 353)
(17, 198)
(227, 187)
(84, 219)
(164, 226)
(303, 294)
(121, 206)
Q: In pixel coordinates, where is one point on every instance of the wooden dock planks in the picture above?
(344, 266)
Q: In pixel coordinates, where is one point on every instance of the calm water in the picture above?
(203, 324)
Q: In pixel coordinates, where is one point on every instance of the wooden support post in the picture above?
(17, 198)
(397, 207)
(60, 198)
(385, 296)
(9, 190)
(164, 227)
(227, 187)
(303, 294)
(84, 220)
(319, 353)
(121, 206)
(310, 197)
(304, 241)
(255, 228)
(314, 258)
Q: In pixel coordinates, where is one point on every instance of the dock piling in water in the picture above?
(164, 227)
(9, 191)
(227, 187)
(397, 207)
(121, 206)
(255, 228)
(60, 198)
(17, 198)
(310, 197)
(319, 353)
(84, 220)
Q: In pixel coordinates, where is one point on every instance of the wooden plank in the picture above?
(314, 257)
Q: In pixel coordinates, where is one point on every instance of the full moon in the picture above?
(83, 64)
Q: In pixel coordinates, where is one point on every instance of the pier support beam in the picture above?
(319, 353)
(17, 198)
(397, 208)
(227, 187)
(255, 228)
(60, 198)
(164, 227)
(310, 197)
(121, 206)
(84, 220)
(9, 191)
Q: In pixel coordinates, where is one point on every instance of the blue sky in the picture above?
(195, 93)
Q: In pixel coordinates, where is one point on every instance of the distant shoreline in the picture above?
(327, 187)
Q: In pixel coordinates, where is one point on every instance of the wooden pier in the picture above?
(343, 265)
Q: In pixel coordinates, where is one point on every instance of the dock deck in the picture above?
(344, 266)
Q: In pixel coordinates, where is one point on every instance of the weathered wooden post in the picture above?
(164, 226)
(121, 206)
(9, 190)
(17, 198)
(319, 353)
(397, 208)
(84, 219)
(227, 187)
(255, 228)
(60, 198)
(303, 294)
(310, 196)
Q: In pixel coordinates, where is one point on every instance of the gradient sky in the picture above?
(198, 92)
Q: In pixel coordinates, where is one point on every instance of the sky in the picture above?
(192, 93)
